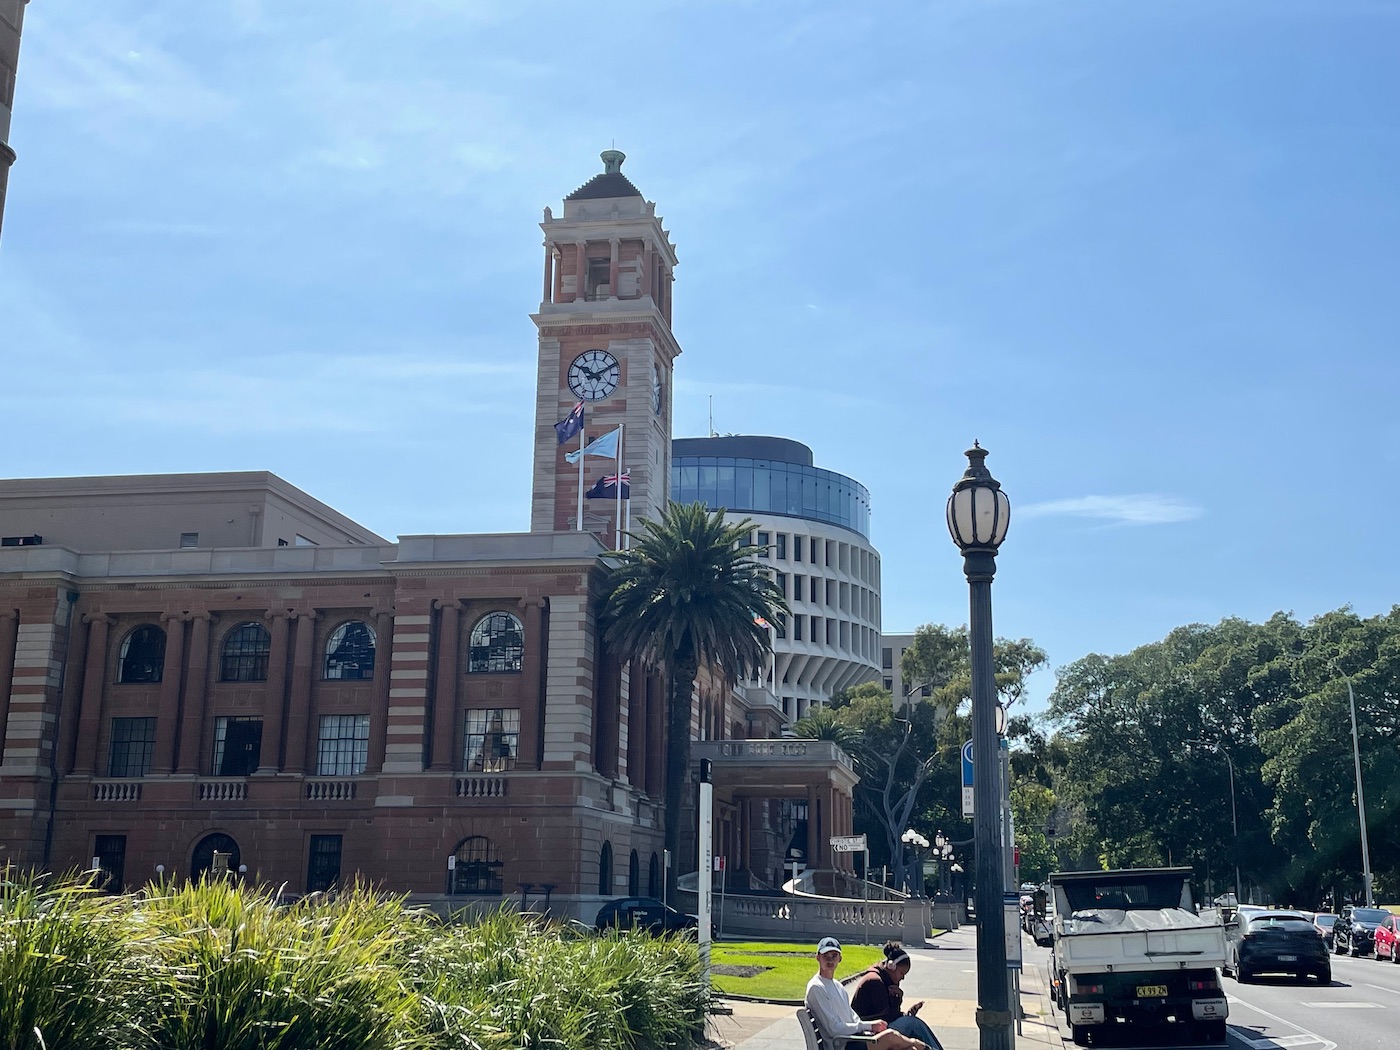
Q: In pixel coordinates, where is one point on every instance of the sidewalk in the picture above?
(944, 976)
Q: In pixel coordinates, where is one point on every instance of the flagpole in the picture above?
(581, 458)
(627, 529)
(617, 517)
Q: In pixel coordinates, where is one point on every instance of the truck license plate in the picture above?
(1288, 958)
(1149, 991)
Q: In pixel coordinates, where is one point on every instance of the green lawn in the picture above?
(786, 968)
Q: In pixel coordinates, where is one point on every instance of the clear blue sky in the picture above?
(1148, 253)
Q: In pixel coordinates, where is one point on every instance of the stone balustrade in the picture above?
(330, 790)
(482, 787)
(116, 791)
(223, 789)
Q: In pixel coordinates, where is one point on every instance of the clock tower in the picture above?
(604, 339)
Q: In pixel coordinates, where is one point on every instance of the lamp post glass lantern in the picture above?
(979, 513)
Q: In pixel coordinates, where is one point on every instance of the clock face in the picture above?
(655, 389)
(594, 375)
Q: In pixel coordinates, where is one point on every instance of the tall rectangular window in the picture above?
(493, 736)
(781, 580)
(782, 546)
(796, 547)
(110, 851)
(887, 658)
(797, 628)
(342, 746)
(237, 746)
(764, 543)
(133, 740)
(323, 863)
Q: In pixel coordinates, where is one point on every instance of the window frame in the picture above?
(245, 653)
(220, 754)
(317, 865)
(476, 870)
(508, 734)
(145, 744)
(490, 656)
(347, 754)
(155, 662)
(336, 642)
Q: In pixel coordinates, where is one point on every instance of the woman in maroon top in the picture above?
(878, 996)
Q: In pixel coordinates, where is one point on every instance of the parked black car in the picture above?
(1281, 942)
(1355, 931)
(646, 913)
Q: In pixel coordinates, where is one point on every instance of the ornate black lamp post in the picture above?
(978, 516)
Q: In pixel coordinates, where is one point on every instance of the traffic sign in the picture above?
(967, 777)
(848, 844)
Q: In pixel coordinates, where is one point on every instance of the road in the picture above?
(1359, 1010)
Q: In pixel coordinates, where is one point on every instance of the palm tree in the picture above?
(689, 590)
(822, 723)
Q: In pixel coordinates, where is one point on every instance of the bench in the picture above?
(812, 1034)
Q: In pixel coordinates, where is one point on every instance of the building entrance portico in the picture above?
(753, 779)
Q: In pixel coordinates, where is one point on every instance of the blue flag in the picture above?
(601, 446)
(606, 488)
(570, 424)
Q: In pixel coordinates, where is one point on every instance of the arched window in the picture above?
(475, 868)
(634, 875)
(350, 652)
(497, 644)
(654, 877)
(245, 654)
(216, 854)
(143, 655)
(605, 886)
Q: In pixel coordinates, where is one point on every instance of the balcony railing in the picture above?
(482, 787)
(116, 791)
(337, 790)
(224, 789)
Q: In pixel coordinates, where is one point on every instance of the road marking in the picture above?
(1383, 988)
(1343, 1006)
(1303, 1038)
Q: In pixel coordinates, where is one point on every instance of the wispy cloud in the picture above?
(1137, 509)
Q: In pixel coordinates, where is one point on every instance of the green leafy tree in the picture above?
(909, 760)
(689, 590)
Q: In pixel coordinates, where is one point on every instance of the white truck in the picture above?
(1129, 949)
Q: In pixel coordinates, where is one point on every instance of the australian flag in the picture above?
(570, 424)
(606, 488)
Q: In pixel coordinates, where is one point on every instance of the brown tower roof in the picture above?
(611, 183)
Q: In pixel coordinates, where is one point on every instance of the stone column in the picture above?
(379, 706)
(90, 707)
(299, 711)
(814, 817)
(558, 258)
(445, 684)
(168, 714)
(656, 735)
(548, 273)
(275, 695)
(527, 754)
(636, 725)
(648, 265)
(612, 267)
(192, 717)
(9, 639)
(581, 254)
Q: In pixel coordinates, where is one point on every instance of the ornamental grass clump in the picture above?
(509, 980)
(63, 965)
(227, 969)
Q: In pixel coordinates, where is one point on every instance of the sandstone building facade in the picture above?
(212, 671)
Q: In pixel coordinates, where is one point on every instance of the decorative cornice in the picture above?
(97, 617)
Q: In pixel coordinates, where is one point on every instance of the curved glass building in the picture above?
(815, 525)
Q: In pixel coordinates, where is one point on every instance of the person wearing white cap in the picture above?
(827, 999)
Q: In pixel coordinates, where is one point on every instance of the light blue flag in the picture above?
(601, 446)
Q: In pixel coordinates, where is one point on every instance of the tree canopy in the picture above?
(1144, 745)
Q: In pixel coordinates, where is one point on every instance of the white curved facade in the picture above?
(829, 573)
